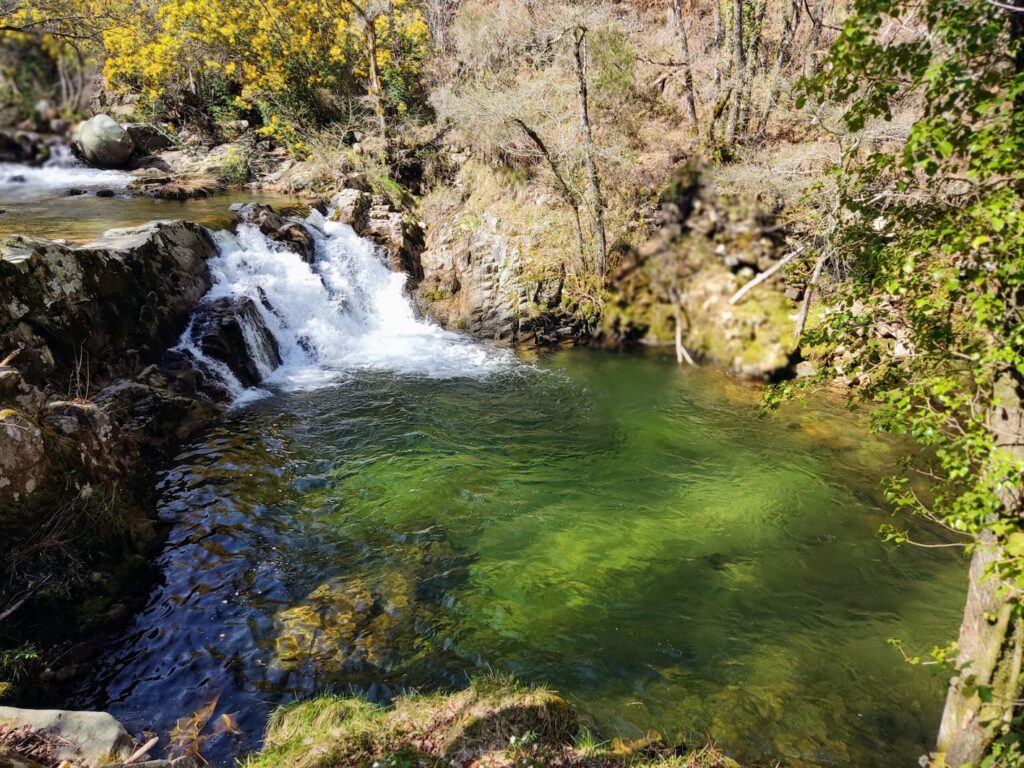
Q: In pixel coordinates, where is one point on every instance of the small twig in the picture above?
(142, 751)
(738, 296)
(7, 360)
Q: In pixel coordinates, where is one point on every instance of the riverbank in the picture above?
(494, 723)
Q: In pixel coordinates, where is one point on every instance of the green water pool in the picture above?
(628, 532)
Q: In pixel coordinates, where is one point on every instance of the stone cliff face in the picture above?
(472, 281)
(493, 266)
(103, 310)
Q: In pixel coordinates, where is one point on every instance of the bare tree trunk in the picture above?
(718, 41)
(790, 25)
(753, 42)
(569, 194)
(579, 38)
(817, 22)
(684, 50)
(738, 67)
(376, 87)
(987, 690)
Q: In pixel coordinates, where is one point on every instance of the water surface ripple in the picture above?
(627, 532)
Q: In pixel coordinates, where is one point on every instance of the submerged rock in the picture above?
(347, 626)
(231, 330)
(87, 738)
(104, 143)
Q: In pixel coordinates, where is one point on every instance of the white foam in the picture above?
(62, 172)
(347, 311)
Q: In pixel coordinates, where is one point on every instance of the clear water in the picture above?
(626, 531)
(33, 202)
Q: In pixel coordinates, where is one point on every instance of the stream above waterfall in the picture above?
(35, 201)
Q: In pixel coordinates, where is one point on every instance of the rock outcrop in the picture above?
(103, 310)
(79, 738)
(477, 279)
(472, 280)
(91, 403)
(374, 217)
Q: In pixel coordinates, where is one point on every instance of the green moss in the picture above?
(496, 722)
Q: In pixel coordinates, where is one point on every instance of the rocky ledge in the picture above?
(95, 395)
(90, 403)
(50, 738)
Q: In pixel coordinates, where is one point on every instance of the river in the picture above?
(402, 507)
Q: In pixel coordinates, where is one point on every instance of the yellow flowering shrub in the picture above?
(301, 59)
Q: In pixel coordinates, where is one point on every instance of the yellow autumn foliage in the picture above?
(299, 58)
(294, 54)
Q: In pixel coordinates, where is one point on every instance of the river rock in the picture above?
(231, 330)
(100, 449)
(17, 393)
(11, 759)
(89, 738)
(193, 377)
(23, 460)
(147, 138)
(103, 143)
(99, 311)
(351, 206)
(293, 235)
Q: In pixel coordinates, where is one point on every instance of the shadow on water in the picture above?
(627, 532)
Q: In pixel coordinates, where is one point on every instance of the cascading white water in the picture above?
(345, 311)
(60, 173)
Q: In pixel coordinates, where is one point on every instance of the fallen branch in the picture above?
(682, 355)
(808, 295)
(738, 296)
(25, 597)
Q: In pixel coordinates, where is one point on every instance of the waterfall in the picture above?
(343, 312)
(59, 174)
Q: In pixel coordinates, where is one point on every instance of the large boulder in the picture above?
(231, 330)
(81, 738)
(104, 143)
(93, 313)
